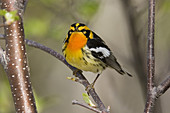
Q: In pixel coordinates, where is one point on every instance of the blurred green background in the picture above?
(123, 26)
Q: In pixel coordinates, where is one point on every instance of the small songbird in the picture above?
(86, 51)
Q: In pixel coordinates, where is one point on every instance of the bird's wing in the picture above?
(98, 48)
(101, 51)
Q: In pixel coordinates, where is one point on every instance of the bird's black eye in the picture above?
(86, 33)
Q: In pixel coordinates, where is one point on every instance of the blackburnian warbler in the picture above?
(86, 51)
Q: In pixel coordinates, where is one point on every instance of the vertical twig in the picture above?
(17, 67)
(150, 58)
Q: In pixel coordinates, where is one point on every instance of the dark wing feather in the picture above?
(112, 62)
(109, 60)
(97, 42)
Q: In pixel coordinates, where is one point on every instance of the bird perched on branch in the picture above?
(86, 51)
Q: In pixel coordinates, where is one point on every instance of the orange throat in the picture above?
(77, 41)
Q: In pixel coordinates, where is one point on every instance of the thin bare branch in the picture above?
(79, 74)
(150, 58)
(163, 87)
(75, 102)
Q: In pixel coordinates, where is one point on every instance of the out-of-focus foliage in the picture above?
(51, 18)
(88, 9)
(6, 103)
(166, 6)
(37, 27)
(162, 20)
(41, 102)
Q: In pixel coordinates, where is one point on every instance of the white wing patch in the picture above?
(103, 50)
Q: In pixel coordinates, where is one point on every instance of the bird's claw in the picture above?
(89, 87)
(76, 71)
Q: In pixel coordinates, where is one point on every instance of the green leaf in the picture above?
(9, 16)
(3, 12)
(87, 100)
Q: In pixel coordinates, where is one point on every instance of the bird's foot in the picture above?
(89, 87)
(76, 71)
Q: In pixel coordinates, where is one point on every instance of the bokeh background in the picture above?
(123, 26)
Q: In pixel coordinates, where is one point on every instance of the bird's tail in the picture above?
(122, 72)
(112, 62)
